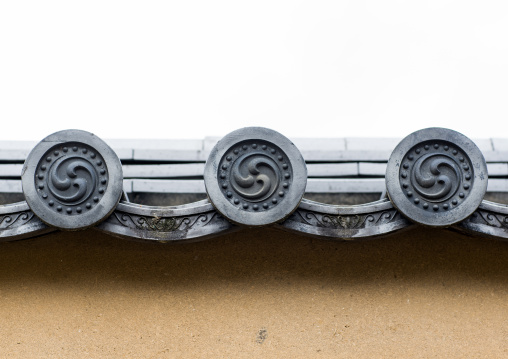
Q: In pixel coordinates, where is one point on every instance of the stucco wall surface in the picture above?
(254, 294)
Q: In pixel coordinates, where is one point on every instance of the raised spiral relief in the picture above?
(69, 183)
(436, 177)
(255, 175)
(71, 178)
(65, 175)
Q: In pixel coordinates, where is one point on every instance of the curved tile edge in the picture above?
(346, 222)
(490, 219)
(188, 222)
(17, 221)
(199, 221)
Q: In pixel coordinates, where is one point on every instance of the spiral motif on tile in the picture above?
(71, 178)
(436, 176)
(255, 177)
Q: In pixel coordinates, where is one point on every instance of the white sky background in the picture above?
(189, 69)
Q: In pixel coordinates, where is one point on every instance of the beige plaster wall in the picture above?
(254, 294)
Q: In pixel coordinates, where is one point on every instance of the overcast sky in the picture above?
(188, 69)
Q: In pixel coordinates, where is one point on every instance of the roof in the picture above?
(335, 165)
(73, 180)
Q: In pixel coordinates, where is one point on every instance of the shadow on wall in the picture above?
(253, 256)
